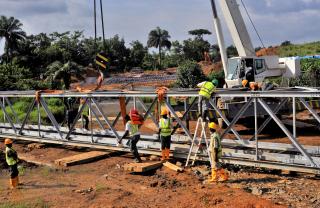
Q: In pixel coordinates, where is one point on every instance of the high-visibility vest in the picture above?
(10, 160)
(215, 143)
(134, 128)
(207, 89)
(165, 128)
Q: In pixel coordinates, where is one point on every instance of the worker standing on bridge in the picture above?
(217, 172)
(12, 161)
(205, 93)
(132, 130)
(165, 132)
(84, 114)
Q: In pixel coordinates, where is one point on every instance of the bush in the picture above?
(219, 76)
(189, 74)
(310, 77)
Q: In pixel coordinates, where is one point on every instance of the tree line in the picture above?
(48, 61)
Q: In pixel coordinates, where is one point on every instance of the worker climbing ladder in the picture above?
(197, 141)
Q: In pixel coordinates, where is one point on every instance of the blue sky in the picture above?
(276, 20)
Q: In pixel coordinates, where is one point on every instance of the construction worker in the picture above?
(133, 131)
(12, 161)
(165, 132)
(206, 90)
(84, 114)
(217, 172)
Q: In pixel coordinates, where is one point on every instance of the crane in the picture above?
(236, 69)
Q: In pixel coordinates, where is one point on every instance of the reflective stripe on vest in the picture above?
(165, 127)
(134, 128)
(10, 160)
(207, 89)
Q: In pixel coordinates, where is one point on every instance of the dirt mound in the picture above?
(208, 68)
(268, 51)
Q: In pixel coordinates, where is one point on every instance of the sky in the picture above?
(276, 20)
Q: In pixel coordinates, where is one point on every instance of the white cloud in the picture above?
(276, 20)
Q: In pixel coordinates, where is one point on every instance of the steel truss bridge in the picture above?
(238, 151)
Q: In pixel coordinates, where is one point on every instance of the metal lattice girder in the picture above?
(267, 121)
(237, 117)
(226, 121)
(105, 118)
(312, 111)
(12, 110)
(148, 110)
(178, 119)
(8, 117)
(288, 133)
(119, 114)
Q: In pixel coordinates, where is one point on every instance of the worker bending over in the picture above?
(12, 161)
(133, 131)
(217, 172)
(165, 132)
(205, 93)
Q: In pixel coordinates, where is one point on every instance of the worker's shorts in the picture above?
(165, 142)
(14, 171)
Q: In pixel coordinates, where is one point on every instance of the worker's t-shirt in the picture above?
(128, 128)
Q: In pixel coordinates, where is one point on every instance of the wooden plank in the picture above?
(142, 167)
(173, 167)
(81, 158)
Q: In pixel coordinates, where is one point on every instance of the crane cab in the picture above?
(240, 68)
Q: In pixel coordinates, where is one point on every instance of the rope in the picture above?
(254, 27)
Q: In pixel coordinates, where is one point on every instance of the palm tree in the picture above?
(159, 38)
(10, 29)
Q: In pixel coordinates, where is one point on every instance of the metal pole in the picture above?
(27, 116)
(256, 127)
(39, 119)
(294, 117)
(102, 22)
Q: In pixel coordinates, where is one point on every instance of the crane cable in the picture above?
(254, 27)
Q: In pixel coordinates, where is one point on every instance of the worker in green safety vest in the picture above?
(12, 161)
(84, 114)
(165, 132)
(205, 93)
(215, 149)
(132, 130)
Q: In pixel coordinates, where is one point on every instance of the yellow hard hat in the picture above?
(164, 112)
(213, 125)
(244, 82)
(8, 141)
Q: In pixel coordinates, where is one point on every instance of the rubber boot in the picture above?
(223, 175)
(167, 154)
(11, 183)
(214, 175)
(163, 154)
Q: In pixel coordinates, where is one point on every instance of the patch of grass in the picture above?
(45, 171)
(100, 187)
(312, 48)
(38, 203)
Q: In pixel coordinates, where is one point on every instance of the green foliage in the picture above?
(189, 74)
(159, 38)
(137, 53)
(300, 49)
(219, 76)
(232, 51)
(199, 33)
(310, 76)
(194, 49)
(21, 107)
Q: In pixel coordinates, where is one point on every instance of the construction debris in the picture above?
(33, 146)
(142, 167)
(81, 158)
(173, 167)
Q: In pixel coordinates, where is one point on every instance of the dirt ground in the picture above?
(105, 184)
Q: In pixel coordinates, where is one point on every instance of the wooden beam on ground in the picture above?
(34, 161)
(82, 158)
(142, 167)
(173, 167)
